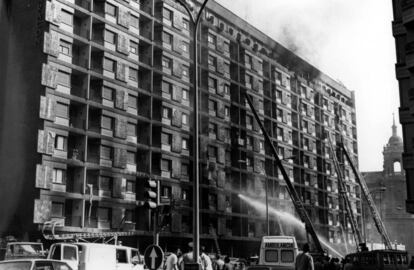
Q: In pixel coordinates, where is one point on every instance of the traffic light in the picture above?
(151, 193)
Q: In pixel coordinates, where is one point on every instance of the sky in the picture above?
(349, 40)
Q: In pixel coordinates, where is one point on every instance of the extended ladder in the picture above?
(374, 211)
(49, 233)
(343, 192)
(297, 202)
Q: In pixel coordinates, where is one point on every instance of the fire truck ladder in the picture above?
(343, 192)
(367, 195)
(48, 231)
(297, 202)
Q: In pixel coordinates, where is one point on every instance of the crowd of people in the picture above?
(177, 259)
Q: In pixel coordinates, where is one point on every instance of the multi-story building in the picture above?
(97, 97)
(387, 190)
(401, 27)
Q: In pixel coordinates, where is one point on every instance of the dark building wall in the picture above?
(403, 26)
(19, 76)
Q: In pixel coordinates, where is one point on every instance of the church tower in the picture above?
(393, 153)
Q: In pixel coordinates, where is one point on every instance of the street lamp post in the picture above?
(195, 17)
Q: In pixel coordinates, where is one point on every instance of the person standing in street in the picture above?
(227, 264)
(172, 261)
(205, 260)
(304, 260)
(219, 262)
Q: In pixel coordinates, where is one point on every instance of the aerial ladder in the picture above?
(343, 193)
(297, 202)
(367, 195)
(49, 233)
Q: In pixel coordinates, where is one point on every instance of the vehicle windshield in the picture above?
(25, 248)
(11, 265)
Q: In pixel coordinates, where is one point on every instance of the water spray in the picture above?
(286, 217)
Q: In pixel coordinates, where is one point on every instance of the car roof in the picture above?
(25, 243)
(31, 260)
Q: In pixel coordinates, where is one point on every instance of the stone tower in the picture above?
(393, 153)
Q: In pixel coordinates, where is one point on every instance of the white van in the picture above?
(93, 256)
(278, 252)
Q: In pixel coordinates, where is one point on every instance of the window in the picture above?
(63, 78)
(59, 176)
(66, 17)
(184, 119)
(166, 62)
(167, 14)
(211, 39)
(134, 21)
(105, 183)
(184, 144)
(248, 60)
(271, 255)
(184, 193)
(109, 36)
(226, 68)
(249, 79)
(103, 214)
(249, 120)
(107, 122)
(60, 143)
(226, 47)
(227, 111)
(133, 74)
(185, 71)
(185, 47)
(167, 38)
(57, 209)
(132, 102)
(109, 64)
(165, 165)
(62, 110)
(131, 158)
(286, 256)
(166, 87)
(212, 105)
(185, 94)
(110, 9)
(108, 93)
(130, 186)
(132, 130)
(106, 152)
(166, 191)
(212, 151)
(186, 24)
(212, 83)
(130, 217)
(226, 89)
(133, 47)
(212, 61)
(212, 128)
(69, 253)
(249, 140)
(166, 113)
(165, 138)
(65, 47)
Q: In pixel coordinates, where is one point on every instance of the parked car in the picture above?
(22, 250)
(34, 264)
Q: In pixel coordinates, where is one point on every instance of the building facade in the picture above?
(97, 98)
(387, 189)
(402, 26)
